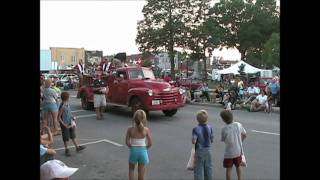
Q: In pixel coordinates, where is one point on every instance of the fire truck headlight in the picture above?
(150, 92)
(182, 91)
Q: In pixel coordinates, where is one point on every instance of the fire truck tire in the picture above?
(170, 112)
(85, 104)
(137, 104)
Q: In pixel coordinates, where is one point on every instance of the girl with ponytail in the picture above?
(136, 142)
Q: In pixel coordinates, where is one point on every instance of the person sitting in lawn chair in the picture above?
(205, 91)
(232, 96)
(251, 93)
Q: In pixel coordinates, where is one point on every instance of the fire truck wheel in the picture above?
(85, 104)
(170, 112)
(136, 104)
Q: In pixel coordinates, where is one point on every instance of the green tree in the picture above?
(202, 34)
(271, 51)
(248, 25)
(231, 14)
(147, 63)
(162, 26)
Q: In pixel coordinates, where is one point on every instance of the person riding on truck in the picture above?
(80, 71)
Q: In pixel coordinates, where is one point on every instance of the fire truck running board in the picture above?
(115, 104)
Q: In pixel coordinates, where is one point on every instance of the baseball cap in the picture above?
(55, 169)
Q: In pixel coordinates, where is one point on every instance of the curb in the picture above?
(274, 110)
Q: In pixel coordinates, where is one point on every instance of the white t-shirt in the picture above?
(257, 90)
(262, 99)
(231, 136)
(240, 84)
(253, 90)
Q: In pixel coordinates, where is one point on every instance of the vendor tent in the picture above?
(234, 69)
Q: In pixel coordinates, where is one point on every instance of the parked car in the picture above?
(50, 76)
(69, 75)
(68, 82)
(190, 83)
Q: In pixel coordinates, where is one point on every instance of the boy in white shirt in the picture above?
(232, 135)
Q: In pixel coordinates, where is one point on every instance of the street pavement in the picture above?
(106, 156)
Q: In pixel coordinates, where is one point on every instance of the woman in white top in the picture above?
(136, 141)
(260, 103)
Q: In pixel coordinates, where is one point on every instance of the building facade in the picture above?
(66, 57)
(163, 61)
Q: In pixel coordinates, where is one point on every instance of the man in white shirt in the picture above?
(260, 103)
(252, 92)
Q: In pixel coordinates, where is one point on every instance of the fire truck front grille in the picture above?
(167, 97)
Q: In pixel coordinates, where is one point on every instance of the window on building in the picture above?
(74, 59)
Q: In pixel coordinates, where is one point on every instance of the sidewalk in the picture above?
(274, 109)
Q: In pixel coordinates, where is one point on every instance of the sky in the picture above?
(106, 25)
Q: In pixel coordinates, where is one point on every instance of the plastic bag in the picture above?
(73, 123)
(243, 161)
(191, 162)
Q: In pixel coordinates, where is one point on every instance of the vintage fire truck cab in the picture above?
(137, 88)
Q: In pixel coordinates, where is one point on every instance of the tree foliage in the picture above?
(271, 51)
(202, 34)
(195, 25)
(162, 26)
(147, 63)
(247, 24)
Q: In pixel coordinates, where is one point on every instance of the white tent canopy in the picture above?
(235, 68)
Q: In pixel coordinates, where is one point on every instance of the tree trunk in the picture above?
(171, 44)
(243, 53)
(205, 64)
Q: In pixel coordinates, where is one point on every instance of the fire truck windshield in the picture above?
(141, 74)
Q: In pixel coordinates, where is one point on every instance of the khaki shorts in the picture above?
(99, 100)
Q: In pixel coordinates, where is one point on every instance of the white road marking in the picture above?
(112, 142)
(94, 142)
(265, 132)
(87, 139)
(86, 115)
(77, 110)
(73, 96)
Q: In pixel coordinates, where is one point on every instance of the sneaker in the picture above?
(67, 153)
(80, 148)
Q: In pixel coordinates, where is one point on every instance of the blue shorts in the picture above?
(50, 107)
(138, 155)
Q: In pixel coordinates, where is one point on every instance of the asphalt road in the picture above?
(106, 156)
